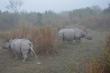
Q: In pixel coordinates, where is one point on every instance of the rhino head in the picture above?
(85, 34)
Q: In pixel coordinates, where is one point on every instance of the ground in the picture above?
(69, 59)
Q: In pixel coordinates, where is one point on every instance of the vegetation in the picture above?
(91, 17)
(101, 64)
(42, 28)
(107, 55)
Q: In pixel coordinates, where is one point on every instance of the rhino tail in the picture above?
(32, 50)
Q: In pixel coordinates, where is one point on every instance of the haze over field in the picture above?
(68, 36)
(56, 5)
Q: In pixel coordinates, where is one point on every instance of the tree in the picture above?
(39, 20)
(96, 9)
(14, 5)
(107, 10)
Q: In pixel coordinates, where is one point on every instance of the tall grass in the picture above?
(94, 66)
(46, 40)
(20, 32)
(107, 55)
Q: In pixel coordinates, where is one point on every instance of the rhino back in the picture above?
(67, 34)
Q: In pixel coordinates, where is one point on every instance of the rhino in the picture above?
(70, 34)
(20, 48)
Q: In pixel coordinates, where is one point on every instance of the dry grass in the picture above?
(4, 35)
(46, 40)
(107, 55)
(21, 32)
(94, 67)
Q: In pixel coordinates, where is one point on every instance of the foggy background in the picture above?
(55, 5)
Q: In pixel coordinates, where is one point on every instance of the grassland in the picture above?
(70, 57)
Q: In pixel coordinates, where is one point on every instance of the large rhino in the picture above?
(20, 47)
(70, 34)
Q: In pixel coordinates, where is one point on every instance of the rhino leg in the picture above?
(25, 55)
(24, 58)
